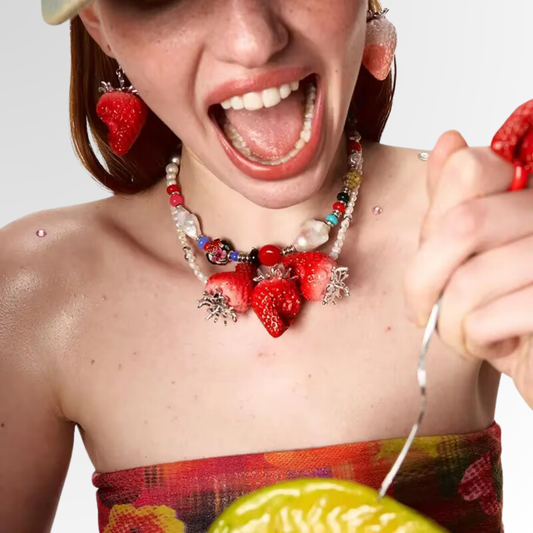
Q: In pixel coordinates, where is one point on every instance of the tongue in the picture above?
(271, 133)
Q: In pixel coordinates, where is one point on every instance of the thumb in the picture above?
(449, 143)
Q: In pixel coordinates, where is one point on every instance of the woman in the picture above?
(118, 347)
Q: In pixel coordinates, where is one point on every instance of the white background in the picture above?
(463, 64)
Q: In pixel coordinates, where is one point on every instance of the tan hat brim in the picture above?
(59, 11)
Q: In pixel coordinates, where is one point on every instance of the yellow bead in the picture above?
(352, 179)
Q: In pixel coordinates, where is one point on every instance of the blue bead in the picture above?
(202, 241)
(234, 256)
(333, 219)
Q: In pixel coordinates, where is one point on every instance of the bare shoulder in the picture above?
(396, 180)
(48, 246)
(46, 258)
(40, 280)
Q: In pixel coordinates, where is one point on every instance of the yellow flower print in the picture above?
(147, 519)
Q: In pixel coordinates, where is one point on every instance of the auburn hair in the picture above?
(145, 163)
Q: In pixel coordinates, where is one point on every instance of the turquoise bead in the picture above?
(333, 219)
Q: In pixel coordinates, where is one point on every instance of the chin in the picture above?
(280, 194)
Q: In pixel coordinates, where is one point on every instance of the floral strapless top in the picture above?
(456, 480)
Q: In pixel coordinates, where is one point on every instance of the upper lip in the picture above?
(256, 83)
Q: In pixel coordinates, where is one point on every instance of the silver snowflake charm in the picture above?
(336, 288)
(275, 272)
(217, 307)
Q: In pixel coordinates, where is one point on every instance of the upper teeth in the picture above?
(267, 98)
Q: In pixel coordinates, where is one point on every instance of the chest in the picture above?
(151, 381)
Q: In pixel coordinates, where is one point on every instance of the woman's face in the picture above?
(197, 62)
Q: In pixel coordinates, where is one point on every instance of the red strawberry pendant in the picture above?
(276, 301)
(228, 293)
(124, 114)
(319, 276)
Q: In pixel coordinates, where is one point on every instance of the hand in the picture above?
(476, 245)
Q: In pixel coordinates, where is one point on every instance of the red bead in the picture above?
(354, 146)
(172, 188)
(269, 255)
(339, 207)
(176, 199)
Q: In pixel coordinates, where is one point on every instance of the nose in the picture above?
(251, 33)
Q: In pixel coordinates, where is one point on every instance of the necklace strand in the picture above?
(188, 226)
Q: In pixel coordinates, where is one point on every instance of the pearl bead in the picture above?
(176, 160)
(172, 168)
(313, 235)
(188, 222)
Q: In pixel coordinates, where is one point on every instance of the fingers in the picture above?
(448, 143)
(466, 175)
(468, 229)
(474, 286)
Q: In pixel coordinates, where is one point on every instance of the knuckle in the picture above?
(466, 169)
(465, 222)
(461, 284)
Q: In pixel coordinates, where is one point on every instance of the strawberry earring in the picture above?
(123, 112)
(381, 39)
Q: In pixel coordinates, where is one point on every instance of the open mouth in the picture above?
(272, 134)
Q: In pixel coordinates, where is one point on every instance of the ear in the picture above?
(91, 20)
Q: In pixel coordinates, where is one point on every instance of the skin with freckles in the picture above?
(175, 66)
(98, 322)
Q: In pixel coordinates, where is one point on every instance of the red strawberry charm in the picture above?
(124, 114)
(514, 143)
(228, 293)
(319, 276)
(276, 301)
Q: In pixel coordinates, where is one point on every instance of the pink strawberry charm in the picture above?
(228, 293)
(276, 301)
(124, 114)
(380, 47)
(319, 276)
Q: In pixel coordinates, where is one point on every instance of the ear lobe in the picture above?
(91, 20)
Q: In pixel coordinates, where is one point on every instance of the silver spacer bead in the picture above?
(243, 258)
(338, 214)
(288, 250)
(330, 224)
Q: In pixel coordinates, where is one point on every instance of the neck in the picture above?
(224, 213)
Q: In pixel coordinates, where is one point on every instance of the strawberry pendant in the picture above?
(380, 47)
(276, 301)
(319, 276)
(124, 114)
(228, 294)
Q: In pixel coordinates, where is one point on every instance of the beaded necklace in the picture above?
(295, 271)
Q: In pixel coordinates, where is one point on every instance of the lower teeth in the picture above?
(305, 135)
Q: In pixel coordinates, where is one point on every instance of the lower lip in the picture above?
(293, 166)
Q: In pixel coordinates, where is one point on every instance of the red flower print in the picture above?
(478, 484)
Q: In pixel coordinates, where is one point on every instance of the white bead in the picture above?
(172, 168)
(188, 222)
(176, 159)
(171, 179)
(313, 235)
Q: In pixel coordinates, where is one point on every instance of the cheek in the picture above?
(336, 25)
(158, 60)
